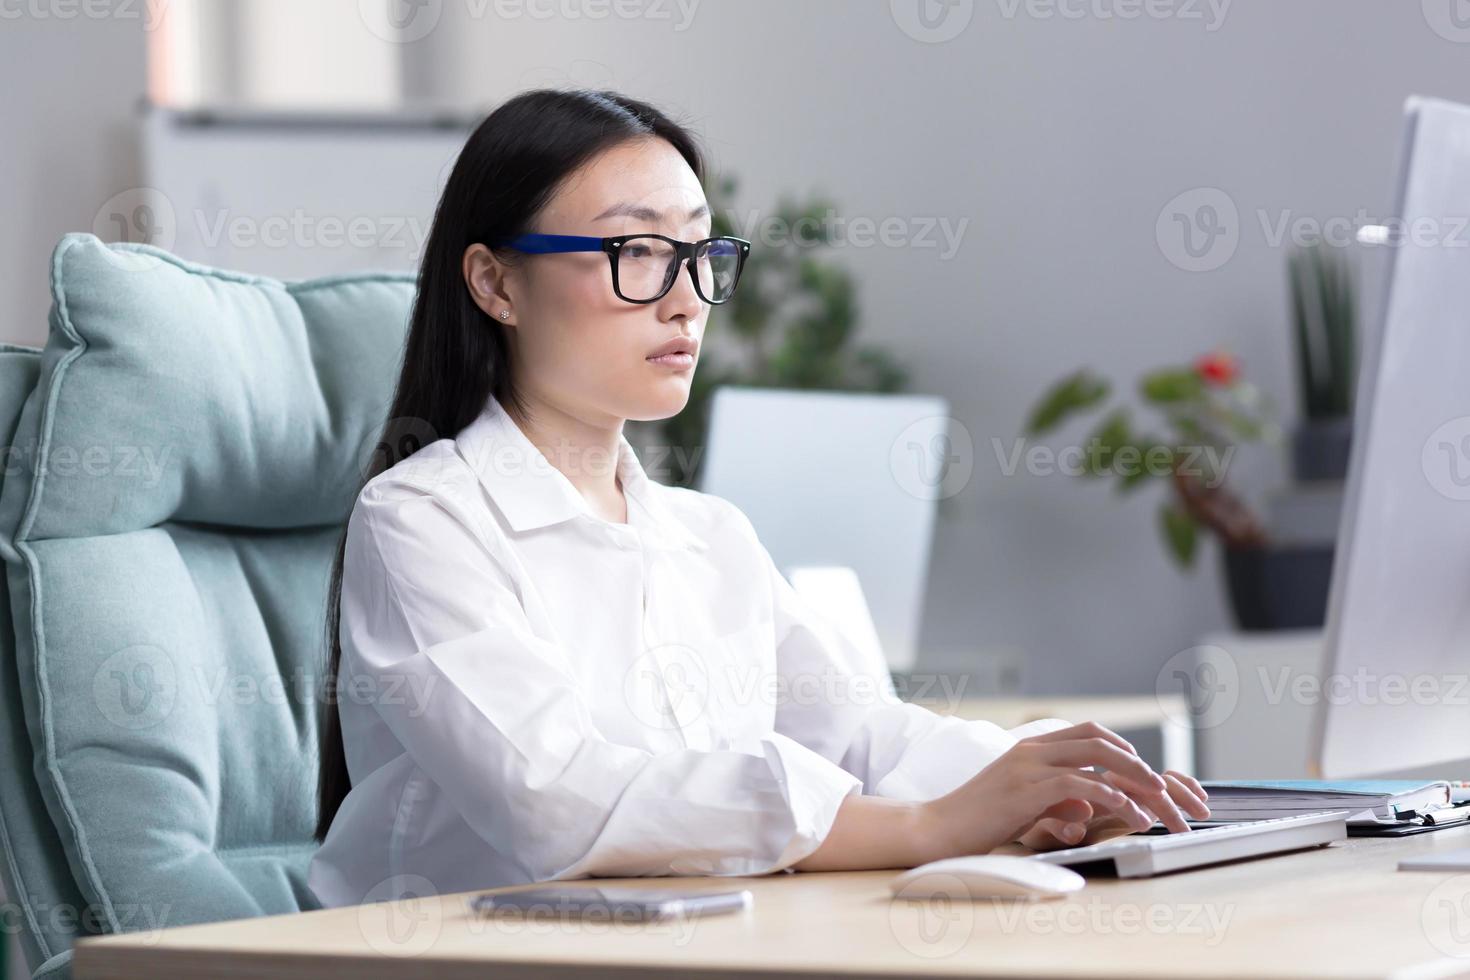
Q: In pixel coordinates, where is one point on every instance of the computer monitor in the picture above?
(1395, 688)
(840, 479)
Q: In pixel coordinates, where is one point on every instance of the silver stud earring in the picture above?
(505, 314)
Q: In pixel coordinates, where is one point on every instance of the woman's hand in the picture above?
(1044, 782)
(1075, 823)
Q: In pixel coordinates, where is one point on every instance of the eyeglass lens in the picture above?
(646, 267)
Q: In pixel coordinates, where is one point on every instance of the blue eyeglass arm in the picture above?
(543, 244)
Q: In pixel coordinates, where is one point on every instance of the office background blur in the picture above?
(1053, 136)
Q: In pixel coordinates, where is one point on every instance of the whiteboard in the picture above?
(291, 195)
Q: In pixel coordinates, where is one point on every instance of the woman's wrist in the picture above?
(930, 836)
(873, 832)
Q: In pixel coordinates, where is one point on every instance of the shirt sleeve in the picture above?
(504, 730)
(898, 749)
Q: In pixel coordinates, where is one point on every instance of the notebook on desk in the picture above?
(1368, 801)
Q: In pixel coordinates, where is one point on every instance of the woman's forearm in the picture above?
(873, 832)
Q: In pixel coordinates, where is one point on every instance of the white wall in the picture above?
(71, 89)
(1059, 139)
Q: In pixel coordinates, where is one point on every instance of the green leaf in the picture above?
(1073, 393)
(1171, 385)
(1134, 479)
(1180, 533)
(1112, 435)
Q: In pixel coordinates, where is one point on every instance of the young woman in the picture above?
(549, 666)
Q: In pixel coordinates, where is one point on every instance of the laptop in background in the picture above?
(839, 479)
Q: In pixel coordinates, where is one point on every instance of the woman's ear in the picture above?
(485, 277)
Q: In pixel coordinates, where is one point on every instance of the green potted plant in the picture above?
(1324, 319)
(1205, 411)
(791, 324)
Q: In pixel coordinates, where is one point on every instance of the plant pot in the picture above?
(1280, 586)
(1319, 449)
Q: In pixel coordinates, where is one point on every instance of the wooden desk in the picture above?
(1340, 911)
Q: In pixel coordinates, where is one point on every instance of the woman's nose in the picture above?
(682, 297)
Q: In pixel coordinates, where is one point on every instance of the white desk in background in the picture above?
(1166, 714)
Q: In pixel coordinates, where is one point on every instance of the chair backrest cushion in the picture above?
(192, 448)
(47, 909)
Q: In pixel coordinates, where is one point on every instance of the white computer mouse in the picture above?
(987, 876)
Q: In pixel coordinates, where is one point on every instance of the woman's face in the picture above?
(574, 344)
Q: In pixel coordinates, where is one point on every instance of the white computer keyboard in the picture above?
(1141, 855)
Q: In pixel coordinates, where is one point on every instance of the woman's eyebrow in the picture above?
(644, 213)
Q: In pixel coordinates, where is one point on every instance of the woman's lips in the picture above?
(678, 359)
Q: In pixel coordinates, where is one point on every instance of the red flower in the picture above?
(1218, 368)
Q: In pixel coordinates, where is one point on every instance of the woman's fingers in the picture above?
(1069, 811)
(1144, 793)
(1158, 802)
(1092, 787)
(1060, 825)
(1151, 792)
(1049, 834)
(1181, 800)
(1088, 729)
(1191, 782)
(1083, 752)
(1189, 797)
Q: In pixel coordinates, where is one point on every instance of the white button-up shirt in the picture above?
(530, 692)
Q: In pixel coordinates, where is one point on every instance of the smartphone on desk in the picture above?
(612, 904)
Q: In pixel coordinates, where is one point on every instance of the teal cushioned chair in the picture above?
(182, 455)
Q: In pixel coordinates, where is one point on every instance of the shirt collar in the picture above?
(532, 493)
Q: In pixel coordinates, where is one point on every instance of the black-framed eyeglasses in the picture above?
(645, 266)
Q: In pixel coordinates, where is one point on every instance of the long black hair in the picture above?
(456, 356)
